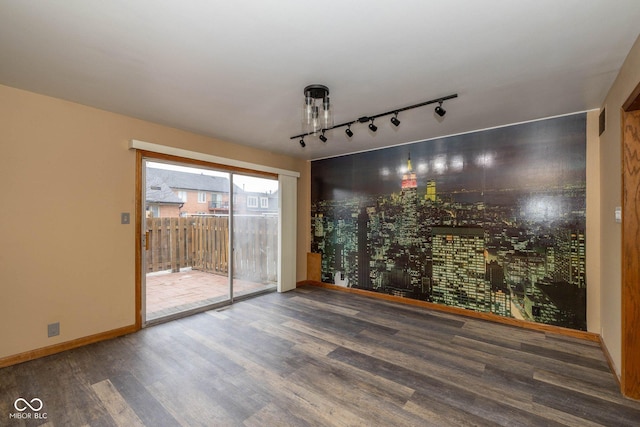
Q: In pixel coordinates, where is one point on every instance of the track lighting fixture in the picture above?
(322, 137)
(314, 120)
(348, 131)
(395, 120)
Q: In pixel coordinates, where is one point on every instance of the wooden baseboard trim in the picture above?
(607, 355)
(589, 336)
(68, 345)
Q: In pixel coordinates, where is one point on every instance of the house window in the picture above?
(216, 200)
(264, 202)
(183, 196)
(252, 202)
(153, 211)
(202, 197)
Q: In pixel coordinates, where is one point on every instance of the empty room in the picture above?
(320, 214)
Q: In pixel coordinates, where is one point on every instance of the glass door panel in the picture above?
(186, 248)
(255, 235)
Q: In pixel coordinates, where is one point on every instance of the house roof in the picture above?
(191, 181)
(157, 191)
(271, 195)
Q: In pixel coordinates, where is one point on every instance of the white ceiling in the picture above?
(235, 70)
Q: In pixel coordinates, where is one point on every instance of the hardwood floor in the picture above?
(319, 357)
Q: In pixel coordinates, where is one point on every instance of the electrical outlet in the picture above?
(53, 329)
(125, 218)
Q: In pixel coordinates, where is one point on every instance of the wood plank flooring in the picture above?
(319, 357)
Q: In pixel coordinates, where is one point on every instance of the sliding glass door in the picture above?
(209, 237)
(186, 233)
(255, 235)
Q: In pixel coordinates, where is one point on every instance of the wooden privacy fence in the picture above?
(255, 244)
(202, 244)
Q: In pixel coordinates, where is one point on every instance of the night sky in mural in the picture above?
(553, 153)
(490, 221)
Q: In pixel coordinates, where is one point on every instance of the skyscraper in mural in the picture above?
(459, 268)
(569, 257)
(430, 194)
(409, 183)
(409, 197)
(408, 255)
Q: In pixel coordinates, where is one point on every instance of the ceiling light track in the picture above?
(321, 92)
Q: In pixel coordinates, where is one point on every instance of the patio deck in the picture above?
(169, 293)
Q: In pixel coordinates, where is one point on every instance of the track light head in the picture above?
(440, 111)
(395, 120)
(322, 137)
(372, 126)
(302, 144)
(348, 131)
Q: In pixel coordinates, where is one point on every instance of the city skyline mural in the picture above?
(491, 221)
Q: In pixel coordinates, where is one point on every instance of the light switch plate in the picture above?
(618, 214)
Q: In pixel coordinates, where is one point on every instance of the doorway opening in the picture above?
(209, 236)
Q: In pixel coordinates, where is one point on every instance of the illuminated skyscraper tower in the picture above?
(431, 191)
(409, 181)
(569, 257)
(459, 268)
(408, 239)
(409, 195)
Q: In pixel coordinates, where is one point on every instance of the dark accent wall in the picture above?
(491, 221)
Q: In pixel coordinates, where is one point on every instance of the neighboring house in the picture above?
(200, 194)
(161, 201)
(259, 203)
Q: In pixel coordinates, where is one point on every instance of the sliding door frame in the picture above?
(141, 157)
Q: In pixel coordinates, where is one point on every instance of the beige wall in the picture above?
(593, 224)
(611, 196)
(70, 260)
